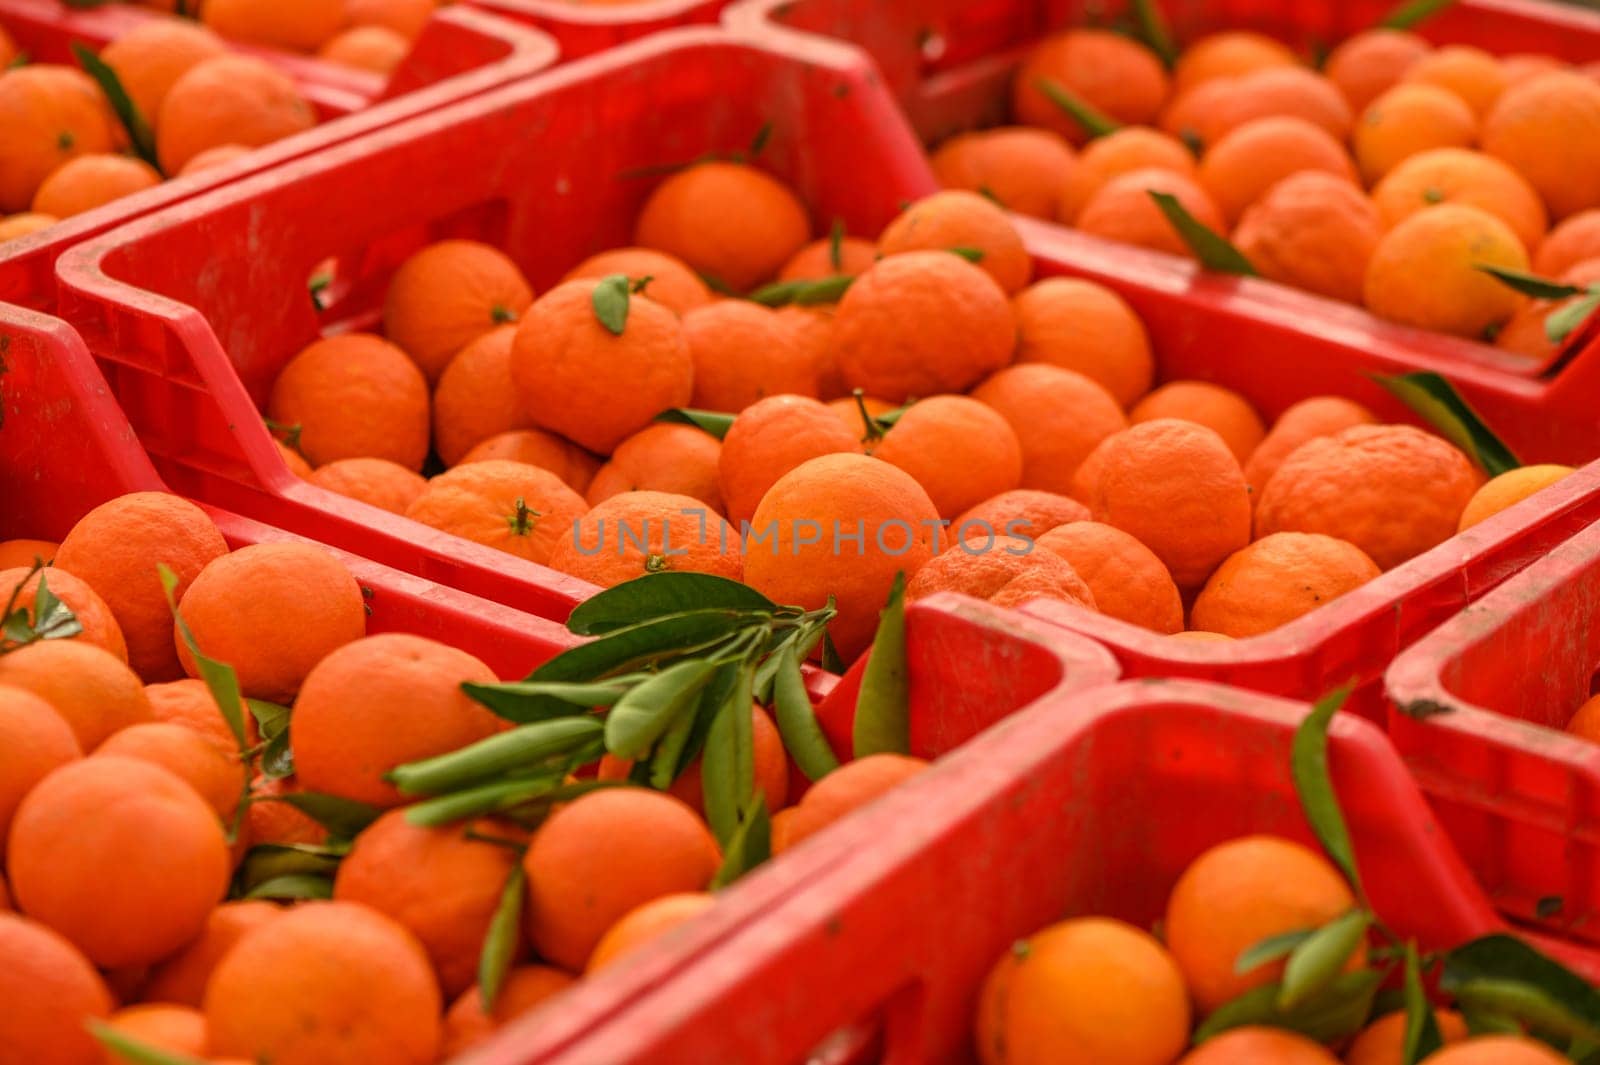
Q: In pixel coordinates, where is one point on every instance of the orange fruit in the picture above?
(1306, 420)
(1235, 895)
(959, 219)
(376, 482)
(848, 410)
(449, 294)
(1507, 490)
(187, 755)
(1370, 63)
(1083, 326)
(1277, 579)
(1383, 1041)
(1526, 66)
(1470, 73)
(1496, 1050)
(354, 396)
(325, 982)
(1122, 152)
(20, 588)
(34, 741)
(1425, 271)
(920, 323)
(520, 509)
(825, 258)
(1176, 487)
(89, 181)
(1408, 120)
(1259, 1046)
(405, 17)
(644, 923)
(524, 988)
(371, 48)
(1025, 513)
(743, 352)
(272, 821)
(48, 115)
(26, 553)
(1128, 581)
(381, 702)
(1391, 490)
(211, 158)
(1315, 231)
(229, 99)
(93, 690)
(1586, 721)
(1003, 570)
(474, 398)
(112, 820)
(1548, 128)
(575, 377)
(174, 1029)
(845, 790)
(636, 533)
(50, 991)
(727, 221)
(1573, 241)
(151, 57)
(1216, 108)
(770, 438)
(23, 225)
(115, 549)
(1117, 76)
(1022, 169)
(1058, 415)
(1219, 409)
(1070, 992)
(603, 854)
(771, 768)
(1227, 55)
(181, 979)
(535, 447)
(1454, 175)
(840, 525)
(672, 284)
(188, 702)
(1123, 210)
(293, 459)
(446, 896)
(272, 611)
(811, 329)
(680, 459)
(1245, 163)
(960, 451)
(298, 25)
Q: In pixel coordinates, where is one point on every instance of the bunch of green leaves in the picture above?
(1576, 303)
(1498, 982)
(51, 619)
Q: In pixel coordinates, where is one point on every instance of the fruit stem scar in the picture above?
(502, 314)
(655, 563)
(522, 519)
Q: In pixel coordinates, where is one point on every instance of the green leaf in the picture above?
(1436, 401)
(126, 1048)
(1422, 1027)
(1271, 949)
(272, 721)
(750, 845)
(1341, 1009)
(655, 705)
(533, 700)
(658, 595)
(52, 619)
(1487, 1022)
(1540, 288)
(1314, 963)
(343, 818)
(1153, 31)
(319, 284)
(483, 799)
(272, 861)
(709, 421)
(1564, 321)
(883, 709)
(293, 887)
(667, 761)
(803, 292)
(972, 255)
(610, 300)
(21, 59)
(1412, 13)
(836, 245)
(758, 143)
(17, 628)
(500, 942)
(1094, 122)
(1214, 251)
(1501, 974)
(797, 719)
(221, 681)
(727, 763)
(830, 654)
(139, 134)
(1309, 766)
(527, 749)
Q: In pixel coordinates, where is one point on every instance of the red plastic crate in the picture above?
(583, 29)
(459, 53)
(1520, 796)
(949, 63)
(1082, 804)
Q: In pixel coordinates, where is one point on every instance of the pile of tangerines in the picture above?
(64, 150)
(1387, 175)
